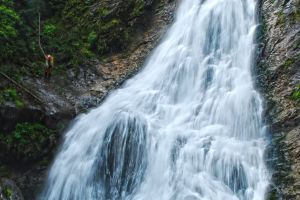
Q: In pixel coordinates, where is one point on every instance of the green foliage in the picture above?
(7, 192)
(11, 95)
(9, 21)
(293, 17)
(288, 63)
(74, 10)
(104, 12)
(72, 31)
(110, 24)
(103, 29)
(92, 38)
(27, 141)
(49, 30)
(281, 18)
(138, 9)
(296, 94)
(6, 2)
(86, 52)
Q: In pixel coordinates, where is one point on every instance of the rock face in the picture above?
(279, 79)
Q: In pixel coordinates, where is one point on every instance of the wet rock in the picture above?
(278, 76)
(10, 115)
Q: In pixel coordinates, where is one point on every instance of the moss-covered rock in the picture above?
(278, 74)
(27, 143)
(296, 94)
(110, 22)
(11, 95)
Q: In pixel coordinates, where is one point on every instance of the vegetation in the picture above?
(138, 8)
(9, 21)
(7, 192)
(292, 18)
(296, 94)
(11, 95)
(288, 63)
(291, 61)
(73, 31)
(281, 18)
(26, 142)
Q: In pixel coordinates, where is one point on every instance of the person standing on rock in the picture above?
(49, 65)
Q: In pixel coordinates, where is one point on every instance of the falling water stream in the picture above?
(187, 127)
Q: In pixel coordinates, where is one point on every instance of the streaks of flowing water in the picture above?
(187, 127)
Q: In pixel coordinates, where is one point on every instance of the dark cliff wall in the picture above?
(279, 80)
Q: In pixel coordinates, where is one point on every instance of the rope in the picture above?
(40, 36)
(22, 88)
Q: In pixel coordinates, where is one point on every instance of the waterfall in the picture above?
(187, 127)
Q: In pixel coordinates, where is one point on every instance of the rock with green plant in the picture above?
(278, 78)
(29, 142)
(9, 190)
(11, 95)
(296, 94)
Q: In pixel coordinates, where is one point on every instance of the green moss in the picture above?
(291, 61)
(11, 95)
(293, 17)
(86, 52)
(7, 192)
(288, 63)
(110, 24)
(92, 38)
(49, 30)
(296, 94)
(281, 18)
(103, 12)
(138, 9)
(8, 21)
(26, 142)
(19, 104)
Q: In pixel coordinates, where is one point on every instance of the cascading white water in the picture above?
(187, 127)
